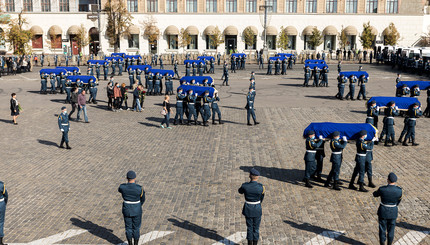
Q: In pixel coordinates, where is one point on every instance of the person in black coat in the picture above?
(14, 108)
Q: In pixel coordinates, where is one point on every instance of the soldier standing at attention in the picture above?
(64, 125)
(311, 146)
(307, 76)
(337, 147)
(360, 161)
(250, 107)
(254, 195)
(175, 69)
(134, 197)
(391, 195)
(3, 203)
(215, 108)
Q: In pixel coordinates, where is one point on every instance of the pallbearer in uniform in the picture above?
(64, 125)
(391, 195)
(179, 107)
(337, 146)
(310, 164)
(414, 112)
(360, 161)
(319, 158)
(3, 203)
(134, 197)
(254, 195)
(307, 76)
(215, 108)
(362, 81)
(372, 114)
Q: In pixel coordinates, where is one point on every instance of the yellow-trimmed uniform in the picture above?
(254, 195)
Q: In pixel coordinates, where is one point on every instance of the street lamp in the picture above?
(99, 26)
(264, 12)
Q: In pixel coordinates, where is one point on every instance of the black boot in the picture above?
(130, 241)
(400, 139)
(394, 143)
(255, 123)
(220, 122)
(61, 146)
(249, 124)
(404, 143)
(336, 186)
(255, 242)
(308, 184)
(195, 122)
(136, 241)
(327, 183)
(250, 242)
(67, 146)
(175, 122)
(414, 143)
(371, 185)
(1, 241)
(362, 188)
(351, 185)
(213, 122)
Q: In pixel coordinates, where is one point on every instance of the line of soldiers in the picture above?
(316, 74)
(280, 66)
(405, 91)
(199, 68)
(361, 82)
(237, 63)
(315, 154)
(190, 104)
(56, 82)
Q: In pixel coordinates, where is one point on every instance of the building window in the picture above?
(331, 6)
(133, 41)
(251, 6)
(193, 43)
(231, 6)
(292, 42)
(209, 43)
(37, 41)
(351, 6)
(171, 6)
(291, 6)
(329, 42)
(274, 4)
(132, 5)
(392, 6)
(46, 5)
(311, 6)
(64, 5)
(10, 6)
(173, 41)
(152, 6)
(254, 46)
(191, 6)
(28, 5)
(211, 6)
(372, 6)
(271, 42)
(56, 41)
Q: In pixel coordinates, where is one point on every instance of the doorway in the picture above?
(153, 47)
(94, 40)
(230, 43)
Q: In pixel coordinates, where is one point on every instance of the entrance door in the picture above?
(153, 48)
(230, 43)
(75, 49)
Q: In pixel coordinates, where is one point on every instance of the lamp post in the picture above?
(264, 10)
(99, 26)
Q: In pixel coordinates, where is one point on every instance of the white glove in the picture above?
(321, 137)
(377, 108)
(62, 130)
(344, 138)
(374, 139)
(397, 108)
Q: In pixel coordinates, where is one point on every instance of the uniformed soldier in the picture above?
(113, 67)
(218, 57)
(62, 78)
(390, 112)
(254, 195)
(399, 78)
(284, 66)
(277, 67)
(290, 62)
(215, 108)
(307, 76)
(206, 108)
(68, 87)
(391, 195)
(187, 69)
(56, 60)
(146, 76)
(42, 59)
(64, 125)
(175, 69)
(93, 91)
(180, 96)
(157, 84)
(127, 63)
(269, 67)
(3, 203)
(134, 197)
(252, 84)
(324, 75)
(67, 60)
(316, 74)
(191, 100)
(310, 164)
(53, 78)
(415, 91)
(150, 83)
(138, 76)
(212, 66)
(225, 75)
(105, 70)
(250, 97)
(252, 76)
(368, 164)
(261, 61)
(161, 62)
(169, 84)
(372, 114)
(360, 161)
(234, 64)
(131, 76)
(414, 112)
(352, 82)
(427, 110)
(362, 81)
(339, 66)
(405, 91)
(194, 68)
(200, 68)
(336, 146)
(172, 58)
(319, 158)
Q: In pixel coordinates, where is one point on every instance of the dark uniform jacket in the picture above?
(311, 146)
(254, 192)
(391, 195)
(132, 192)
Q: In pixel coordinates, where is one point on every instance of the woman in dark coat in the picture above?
(14, 108)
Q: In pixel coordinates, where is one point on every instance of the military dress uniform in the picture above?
(269, 67)
(391, 195)
(352, 82)
(64, 125)
(360, 162)
(254, 194)
(372, 114)
(215, 109)
(134, 197)
(150, 83)
(388, 129)
(316, 75)
(175, 69)
(310, 161)
(191, 100)
(138, 76)
(98, 71)
(413, 114)
(187, 69)
(52, 80)
(307, 76)
(3, 203)
(319, 158)
(179, 108)
(194, 69)
(105, 70)
(157, 84)
(324, 74)
(362, 81)
(336, 146)
(206, 108)
(250, 108)
(277, 67)
(120, 66)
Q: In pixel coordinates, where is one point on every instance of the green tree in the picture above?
(216, 38)
(184, 38)
(82, 38)
(151, 31)
(118, 21)
(367, 37)
(249, 37)
(18, 37)
(343, 38)
(283, 40)
(391, 35)
(316, 39)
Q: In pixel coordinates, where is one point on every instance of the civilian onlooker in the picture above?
(166, 112)
(117, 96)
(109, 90)
(82, 106)
(14, 108)
(74, 101)
(124, 96)
(136, 97)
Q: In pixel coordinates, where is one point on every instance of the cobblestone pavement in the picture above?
(191, 174)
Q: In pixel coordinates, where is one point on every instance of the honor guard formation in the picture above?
(197, 101)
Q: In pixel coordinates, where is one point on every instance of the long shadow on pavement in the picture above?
(291, 85)
(326, 97)
(199, 230)
(412, 227)
(96, 230)
(292, 176)
(10, 121)
(150, 124)
(47, 142)
(318, 230)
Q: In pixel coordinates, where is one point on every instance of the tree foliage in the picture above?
(343, 38)
(184, 38)
(249, 37)
(150, 30)
(316, 39)
(82, 38)
(391, 35)
(425, 40)
(18, 37)
(283, 40)
(367, 37)
(118, 21)
(216, 38)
